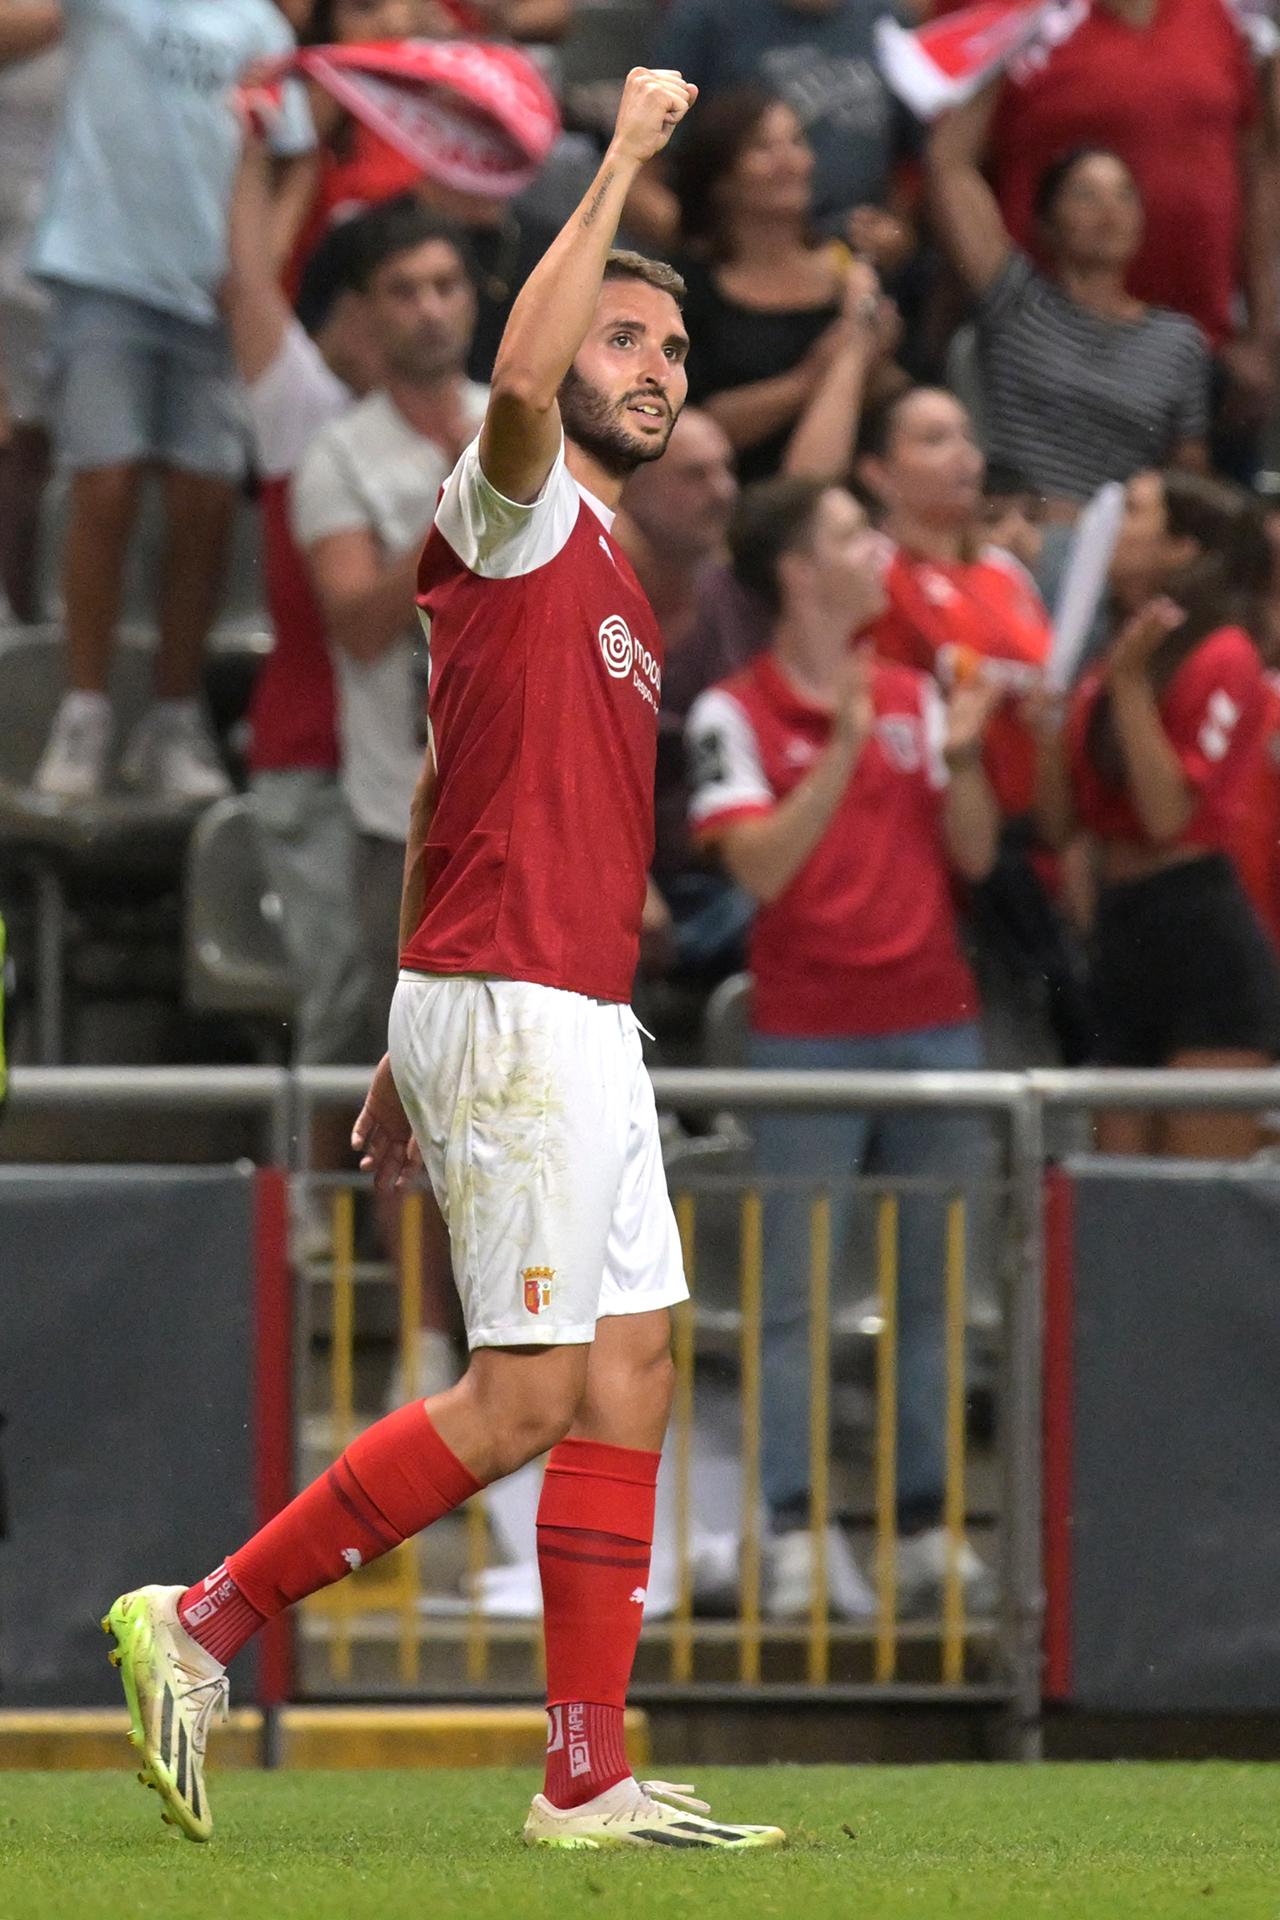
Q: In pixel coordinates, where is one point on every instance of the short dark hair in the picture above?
(772, 517)
(876, 431)
(1055, 176)
(625, 265)
(398, 226)
(708, 148)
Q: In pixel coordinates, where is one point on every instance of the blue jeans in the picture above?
(832, 1147)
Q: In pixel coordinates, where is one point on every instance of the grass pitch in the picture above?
(889, 1843)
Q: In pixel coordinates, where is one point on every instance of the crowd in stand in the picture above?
(918, 352)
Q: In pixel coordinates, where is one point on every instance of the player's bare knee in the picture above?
(525, 1400)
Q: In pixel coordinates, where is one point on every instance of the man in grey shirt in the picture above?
(819, 55)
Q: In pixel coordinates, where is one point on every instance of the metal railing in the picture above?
(411, 1616)
(952, 1657)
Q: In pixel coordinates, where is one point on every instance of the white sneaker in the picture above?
(174, 1691)
(171, 752)
(789, 1579)
(922, 1572)
(640, 1813)
(74, 763)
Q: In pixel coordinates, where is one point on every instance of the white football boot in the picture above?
(174, 1691)
(641, 1813)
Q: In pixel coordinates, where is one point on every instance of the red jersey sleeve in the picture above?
(1211, 706)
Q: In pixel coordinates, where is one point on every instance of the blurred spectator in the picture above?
(1171, 87)
(818, 56)
(30, 100)
(673, 526)
(1156, 760)
(1081, 382)
(952, 600)
(352, 166)
(764, 294)
(840, 793)
(955, 601)
(362, 501)
(296, 383)
(133, 246)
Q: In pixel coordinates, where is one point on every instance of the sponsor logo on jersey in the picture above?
(353, 1558)
(625, 657)
(537, 1288)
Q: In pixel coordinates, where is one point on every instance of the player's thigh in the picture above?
(644, 1265)
(307, 840)
(519, 1100)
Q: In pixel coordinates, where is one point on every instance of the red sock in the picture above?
(595, 1534)
(394, 1480)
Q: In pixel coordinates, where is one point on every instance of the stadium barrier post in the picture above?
(819, 1658)
(682, 1630)
(1022, 1587)
(751, 1282)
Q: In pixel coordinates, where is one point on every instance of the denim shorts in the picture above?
(130, 383)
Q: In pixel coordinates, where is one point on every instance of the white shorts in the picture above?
(537, 1124)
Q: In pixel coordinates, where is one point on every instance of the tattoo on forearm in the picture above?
(597, 199)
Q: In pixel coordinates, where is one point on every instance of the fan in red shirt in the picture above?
(1157, 761)
(953, 602)
(514, 1049)
(353, 167)
(295, 383)
(841, 793)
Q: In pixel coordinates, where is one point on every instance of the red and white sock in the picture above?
(394, 1480)
(595, 1536)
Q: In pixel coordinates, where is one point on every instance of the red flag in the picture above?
(946, 61)
(476, 116)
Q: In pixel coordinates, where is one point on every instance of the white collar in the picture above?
(605, 515)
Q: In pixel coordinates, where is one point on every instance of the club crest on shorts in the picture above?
(537, 1288)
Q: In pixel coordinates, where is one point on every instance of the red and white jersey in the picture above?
(293, 713)
(1255, 845)
(864, 940)
(1214, 711)
(946, 618)
(546, 672)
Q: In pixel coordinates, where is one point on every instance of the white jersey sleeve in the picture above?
(725, 774)
(498, 538)
(290, 401)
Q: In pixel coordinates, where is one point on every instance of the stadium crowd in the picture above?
(918, 353)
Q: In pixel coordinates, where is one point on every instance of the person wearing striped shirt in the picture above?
(1081, 383)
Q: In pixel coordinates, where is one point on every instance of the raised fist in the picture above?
(654, 102)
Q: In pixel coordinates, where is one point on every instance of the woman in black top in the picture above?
(764, 300)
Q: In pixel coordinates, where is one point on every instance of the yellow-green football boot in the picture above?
(174, 1691)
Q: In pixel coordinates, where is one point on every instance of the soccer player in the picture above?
(515, 1065)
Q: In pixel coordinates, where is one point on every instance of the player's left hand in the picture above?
(382, 1135)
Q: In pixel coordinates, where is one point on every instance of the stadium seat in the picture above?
(724, 1027)
(234, 959)
(94, 875)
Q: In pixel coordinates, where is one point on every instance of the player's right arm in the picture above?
(521, 435)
